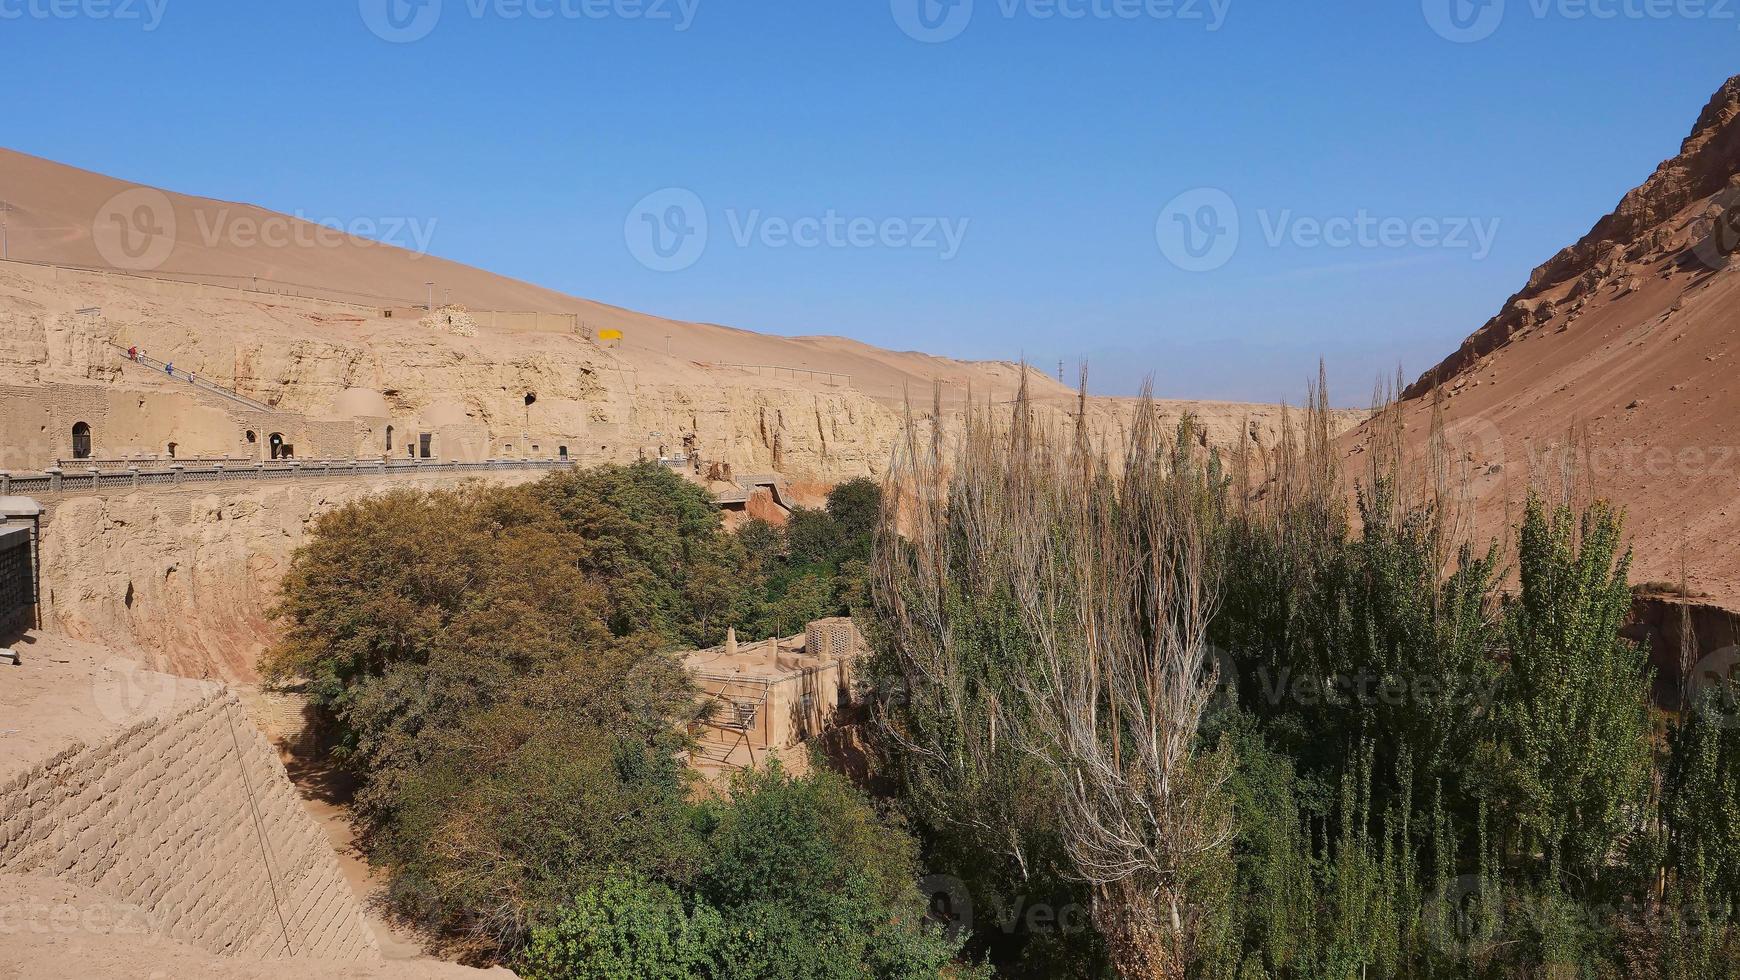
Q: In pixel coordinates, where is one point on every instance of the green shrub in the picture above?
(626, 927)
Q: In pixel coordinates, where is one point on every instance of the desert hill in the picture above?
(330, 326)
(328, 349)
(1621, 349)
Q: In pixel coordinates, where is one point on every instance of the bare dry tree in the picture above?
(1097, 561)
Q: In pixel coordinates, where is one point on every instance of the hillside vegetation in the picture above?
(1168, 715)
(496, 666)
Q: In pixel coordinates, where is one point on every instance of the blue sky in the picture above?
(1067, 156)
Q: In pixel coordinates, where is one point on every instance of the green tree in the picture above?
(812, 883)
(1574, 729)
(812, 536)
(626, 927)
(801, 879)
(645, 534)
(1701, 797)
(856, 507)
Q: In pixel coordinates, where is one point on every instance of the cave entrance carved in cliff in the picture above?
(81, 440)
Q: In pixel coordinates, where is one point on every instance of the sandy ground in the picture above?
(66, 691)
(1615, 367)
(324, 801)
(57, 931)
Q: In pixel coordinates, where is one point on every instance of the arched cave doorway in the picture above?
(562, 451)
(389, 438)
(276, 442)
(81, 440)
(172, 450)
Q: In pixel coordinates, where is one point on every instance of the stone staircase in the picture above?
(201, 384)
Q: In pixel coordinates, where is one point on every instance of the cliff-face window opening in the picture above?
(253, 437)
(531, 398)
(389, 438)
(81, 436)
(562, 451)
(276, 442)
(172, 450)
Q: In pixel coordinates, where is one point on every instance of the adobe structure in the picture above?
(159, 412)
(770, 698)
(20, 527)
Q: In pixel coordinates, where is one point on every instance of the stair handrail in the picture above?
(137, 357)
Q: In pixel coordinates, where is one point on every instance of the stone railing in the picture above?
(94, 480)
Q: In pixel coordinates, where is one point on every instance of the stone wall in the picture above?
(187, 576)
(191, 817)
(36, 427)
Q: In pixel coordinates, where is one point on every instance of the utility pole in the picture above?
(431, 296)
(5, 235)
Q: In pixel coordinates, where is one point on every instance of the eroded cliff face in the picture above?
(525, 393)
(1650, 225)
(185, 578)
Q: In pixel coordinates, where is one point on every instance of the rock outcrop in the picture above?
(185, 578)
(1646, 225)
(1613, 368)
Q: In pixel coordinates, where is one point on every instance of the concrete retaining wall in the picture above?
(170, 816)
